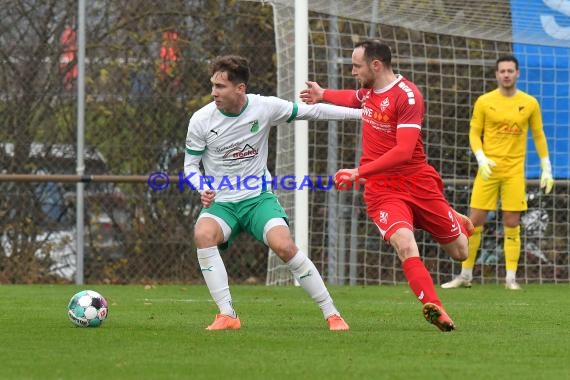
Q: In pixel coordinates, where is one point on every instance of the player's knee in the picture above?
(462, 254)
(286, 250)
(459, 249)
(406, 251)
(404, 243)
(205, 237)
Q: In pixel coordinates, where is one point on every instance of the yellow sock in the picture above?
(512, 247)
(474, 242)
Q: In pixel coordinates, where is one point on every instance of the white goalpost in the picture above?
(301, 126)
(448, 48)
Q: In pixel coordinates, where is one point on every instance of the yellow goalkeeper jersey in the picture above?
(500, 126)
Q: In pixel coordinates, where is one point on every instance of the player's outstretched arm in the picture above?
(323, 111)
(314, 94)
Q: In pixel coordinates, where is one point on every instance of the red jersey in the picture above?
(401, 105)
(402, 189)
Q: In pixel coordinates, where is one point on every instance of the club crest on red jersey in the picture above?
(384, 104)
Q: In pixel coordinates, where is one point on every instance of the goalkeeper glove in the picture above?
(486, 165)
(546, 180)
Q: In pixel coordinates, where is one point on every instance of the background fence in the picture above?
(448, 48)
(147, 71)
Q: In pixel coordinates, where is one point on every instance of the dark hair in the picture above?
(375, 49)
(507, 58)
(236, 66)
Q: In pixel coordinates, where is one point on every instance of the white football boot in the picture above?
(457, 282)
(512, 285)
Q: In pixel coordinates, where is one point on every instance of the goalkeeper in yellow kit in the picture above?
(498, 137)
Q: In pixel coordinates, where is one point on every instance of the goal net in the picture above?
(448, 48)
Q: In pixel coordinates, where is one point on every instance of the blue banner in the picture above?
(541, 42)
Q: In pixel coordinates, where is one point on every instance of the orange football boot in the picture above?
(337, 323)
(437, 316)
(225, 322)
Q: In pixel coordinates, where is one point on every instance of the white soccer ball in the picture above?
(87, 309)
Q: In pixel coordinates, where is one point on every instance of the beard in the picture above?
(367, 82)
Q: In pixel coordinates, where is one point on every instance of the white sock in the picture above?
(467, 273)
(310, 279)
(511, 275)
(216, 277)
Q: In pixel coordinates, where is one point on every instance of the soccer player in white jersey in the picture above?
(230, 136)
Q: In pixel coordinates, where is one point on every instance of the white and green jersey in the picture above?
(234, 147)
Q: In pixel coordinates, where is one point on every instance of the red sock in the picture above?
(420, 280)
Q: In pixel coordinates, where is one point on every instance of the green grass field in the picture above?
(158, 333)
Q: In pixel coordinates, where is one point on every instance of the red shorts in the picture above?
(419, 204)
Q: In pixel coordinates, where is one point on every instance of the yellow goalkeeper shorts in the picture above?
(512, 191)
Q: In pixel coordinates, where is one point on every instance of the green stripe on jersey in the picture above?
(194, 152)
(293, 113)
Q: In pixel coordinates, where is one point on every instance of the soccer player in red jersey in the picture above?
(402, 191)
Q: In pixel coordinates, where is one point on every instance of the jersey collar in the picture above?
(229, 114)
(399, 77)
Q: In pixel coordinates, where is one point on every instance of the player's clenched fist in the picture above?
(207, 197)
(344, 178)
